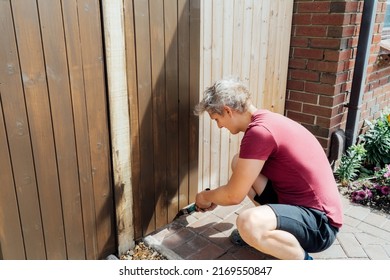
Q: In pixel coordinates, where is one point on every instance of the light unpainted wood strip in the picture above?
(95, 89)
(159, 112)
(207, 81)
(200, 96)
(114, 33)
(228, 17)
(255, 52)
(263, 49)
(216, 73)
(53, 39)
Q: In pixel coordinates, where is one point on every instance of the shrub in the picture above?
(364, 170)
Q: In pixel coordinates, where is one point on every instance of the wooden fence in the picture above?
(56, 198)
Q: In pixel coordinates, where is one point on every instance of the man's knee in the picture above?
(257, 219)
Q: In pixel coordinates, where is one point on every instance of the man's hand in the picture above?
(202, 204)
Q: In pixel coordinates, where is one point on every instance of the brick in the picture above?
(297, 63)
(308, 53)
(293, 105)
(300, 117)
(304, 97)
(344, 7)
(330, 19)
(351, 245)
(295, 85)
(210, 252)
(314, 7)
(325, 66)
(305, 75)
(341, 31)
(301, 19)
(320, 88)
(317, 130)
(376, 252)
(325, 43)
(299, 42)
(311, 31)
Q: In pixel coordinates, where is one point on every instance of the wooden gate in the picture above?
(55, 192)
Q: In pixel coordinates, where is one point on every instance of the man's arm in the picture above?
(242, 179)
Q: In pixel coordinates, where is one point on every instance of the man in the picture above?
(282, 167)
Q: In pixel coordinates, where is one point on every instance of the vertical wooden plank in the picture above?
(63, 124)
(195, 6)
(158, 101)
(183, 30)
(95, 88)
(38, 108)
(263, 51)
(207, 81)
(119, 121)
(172, 95)
(73, 48)
(228, 16)
(134, 114)
(11, 238)
(141, 18)
(216, 72)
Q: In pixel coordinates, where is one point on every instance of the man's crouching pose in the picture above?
(282, 167)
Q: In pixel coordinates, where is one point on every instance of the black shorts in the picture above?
(310, 227)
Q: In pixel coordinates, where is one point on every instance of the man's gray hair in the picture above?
(229, 92)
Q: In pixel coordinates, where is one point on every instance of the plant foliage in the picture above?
(364, 170)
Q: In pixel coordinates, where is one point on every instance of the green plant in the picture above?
(376, 142)
(350, 164)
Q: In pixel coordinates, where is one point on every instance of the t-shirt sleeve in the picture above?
(257, 143)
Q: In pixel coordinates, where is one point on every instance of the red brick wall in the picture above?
(322, 55)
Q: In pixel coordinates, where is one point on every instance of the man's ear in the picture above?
(228, 110)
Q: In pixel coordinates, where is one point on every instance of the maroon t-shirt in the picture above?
(295, 162)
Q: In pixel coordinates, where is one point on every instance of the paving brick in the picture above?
(369, 239)
(219, 238)
(247, 253)
(359, 213)
(224, 211)
(378, 220)
(351, 245)
(177, 239)
(191, 247)
(386, 226)
(333, 252)
(376, 252)
(204, 223)
(210, 252)
(375, 231)
(350, 221)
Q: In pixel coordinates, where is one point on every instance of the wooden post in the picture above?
(113, 21)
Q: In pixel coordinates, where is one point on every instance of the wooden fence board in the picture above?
(41, 128)
(158, 102)
(171, 68)
(63, 124)
(11, 236)
(183, 37)
(73, 48)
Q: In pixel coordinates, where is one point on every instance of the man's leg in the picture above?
(257, 226)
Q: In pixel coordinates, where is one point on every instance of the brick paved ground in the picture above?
(365, 235)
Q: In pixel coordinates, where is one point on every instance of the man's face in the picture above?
(225, 121)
